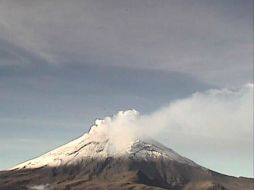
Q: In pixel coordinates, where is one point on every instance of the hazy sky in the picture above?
(65, 63)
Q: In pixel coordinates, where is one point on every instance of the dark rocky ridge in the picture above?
(122, 173)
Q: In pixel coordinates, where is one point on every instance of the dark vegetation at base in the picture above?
(122, 173)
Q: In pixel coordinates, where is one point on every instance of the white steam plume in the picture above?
(223, 113)
(204, 117)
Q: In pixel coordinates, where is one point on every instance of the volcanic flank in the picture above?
(104, 159)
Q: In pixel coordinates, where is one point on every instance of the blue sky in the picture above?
(65, 63)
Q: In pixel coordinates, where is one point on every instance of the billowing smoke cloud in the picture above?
(217, 118)
(121, 130)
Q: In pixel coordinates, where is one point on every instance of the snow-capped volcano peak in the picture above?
(109, 137)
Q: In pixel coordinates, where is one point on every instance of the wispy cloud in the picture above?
(199, 38)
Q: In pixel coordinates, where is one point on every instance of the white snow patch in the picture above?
(39, 187)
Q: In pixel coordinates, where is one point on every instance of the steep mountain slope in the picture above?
(100, 160)
(88, 148)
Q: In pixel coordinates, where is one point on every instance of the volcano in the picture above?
(97, 161)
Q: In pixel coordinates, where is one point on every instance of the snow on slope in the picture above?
(103, 140)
